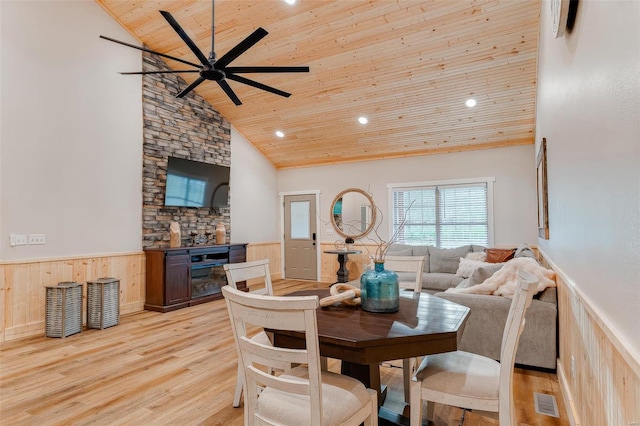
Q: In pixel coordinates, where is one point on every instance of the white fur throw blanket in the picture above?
(505, 281)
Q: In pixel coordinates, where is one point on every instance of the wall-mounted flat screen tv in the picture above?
(196, 184)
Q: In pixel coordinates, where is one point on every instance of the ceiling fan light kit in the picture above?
(217, 69)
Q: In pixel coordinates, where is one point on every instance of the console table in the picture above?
(185, 276)
(343, 272)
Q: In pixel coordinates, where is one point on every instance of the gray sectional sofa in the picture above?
(440, 265)
(483, 330)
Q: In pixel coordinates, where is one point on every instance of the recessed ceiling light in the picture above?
(363, 120)
(279, 134)
(290, 1)
(470, 103)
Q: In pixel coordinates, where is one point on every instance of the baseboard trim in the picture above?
(129, 308)
(24, 330)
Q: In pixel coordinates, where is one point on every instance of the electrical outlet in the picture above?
(17, 240)
(36, 239)
(329, 231)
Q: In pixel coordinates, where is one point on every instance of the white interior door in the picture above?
(300, 248)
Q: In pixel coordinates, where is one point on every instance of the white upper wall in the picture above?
(71, 132)
(71, 138)
(514, 189)
(589, 111)
(254, 193)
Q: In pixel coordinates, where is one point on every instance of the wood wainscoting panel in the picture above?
(356, 263)
(599, 377)
(22, 284)
(3, 287)
(266, 250)
(328, 262)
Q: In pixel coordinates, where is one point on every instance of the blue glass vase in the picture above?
(380, 291)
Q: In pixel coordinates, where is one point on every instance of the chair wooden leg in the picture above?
(239, 383)
(372, 420)
(324, 365)
(406, 375)
(415, 418)
(430, 414)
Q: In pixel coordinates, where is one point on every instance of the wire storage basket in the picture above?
(103, 303)
(63, 309)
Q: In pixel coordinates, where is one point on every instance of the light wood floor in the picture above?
(177, 368)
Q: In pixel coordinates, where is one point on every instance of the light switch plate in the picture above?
(36, 239)
(17, 240)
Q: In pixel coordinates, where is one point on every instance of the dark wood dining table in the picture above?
(424, 325)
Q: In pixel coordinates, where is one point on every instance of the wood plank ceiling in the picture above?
(408, 66)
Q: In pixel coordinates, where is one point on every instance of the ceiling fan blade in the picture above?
(190, 87)
(229, 91)
(241, 79)
(157, 72)
(241, 47)
(151, 51)
(177, 28)
(239, 70)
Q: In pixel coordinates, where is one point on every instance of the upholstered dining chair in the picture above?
(304, 395)
(405, 265)
(471, 381)
(238, 272)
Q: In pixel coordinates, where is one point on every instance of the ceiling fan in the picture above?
(217, 69)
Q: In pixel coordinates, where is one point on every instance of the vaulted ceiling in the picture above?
(408, 66)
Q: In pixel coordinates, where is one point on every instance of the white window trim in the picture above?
(468, 181)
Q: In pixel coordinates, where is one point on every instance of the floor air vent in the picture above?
(545, 404)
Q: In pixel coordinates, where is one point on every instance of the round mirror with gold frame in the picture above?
(353, 213)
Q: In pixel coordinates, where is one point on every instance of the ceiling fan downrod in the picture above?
(212, 54)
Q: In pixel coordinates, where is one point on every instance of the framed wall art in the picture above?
(543, 205)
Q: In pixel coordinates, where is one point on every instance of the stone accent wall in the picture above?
(187, 128)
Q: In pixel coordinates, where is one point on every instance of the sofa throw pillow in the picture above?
(495, 255)
(446, 260)
(524, 250)
(479, 275)
(481, 256)
(467, 266)
(463, 284)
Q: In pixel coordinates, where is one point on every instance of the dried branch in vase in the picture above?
(382, 246)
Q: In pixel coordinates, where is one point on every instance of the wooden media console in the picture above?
(186, 276)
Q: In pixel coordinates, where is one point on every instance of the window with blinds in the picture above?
(442, 215)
